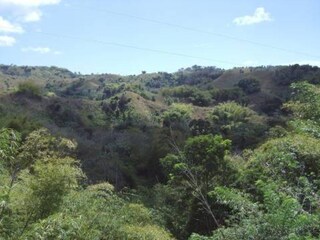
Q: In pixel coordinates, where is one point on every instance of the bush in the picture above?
(289, 74)
(240, 124)
(177, 112)
(29, 88)
(249, 85)
(231, 94)
(189, 94)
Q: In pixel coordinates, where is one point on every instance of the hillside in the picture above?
(201, 151)
(129, 110)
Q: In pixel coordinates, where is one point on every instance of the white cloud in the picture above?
(29, 3)
(41, 50)
(6, 41)
(57, 52)
(26, 10)
(259, 15)
(32, 16)
(23, 11)
(7, 27)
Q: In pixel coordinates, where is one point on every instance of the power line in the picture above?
(195, 30)
(135, 47)
(131, 47)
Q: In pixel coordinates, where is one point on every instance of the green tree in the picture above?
(305, 102)
(97, 213)
(36, 176)
(46, 200)
(41, 144)
(202, 159)
(240, 124)
(249, 85)
(305, 108)
(177, 113)
(281, 216)
(201, 166)
(10, 141)
(286, 159)
(41, 188)
(176, 120)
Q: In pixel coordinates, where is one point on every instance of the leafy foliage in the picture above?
(279, 195)
(203, 157)
(249, 85)
(189, 95)
(305, 103)
(29, 88)
(240, 124)
(294, 73)
(97, 213)
(10, 141)
(232, 94)
(287, 159)
(177, 114)
(199, 167)
(42, 197)
(282, 217)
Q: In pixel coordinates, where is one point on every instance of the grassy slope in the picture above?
(269, 89)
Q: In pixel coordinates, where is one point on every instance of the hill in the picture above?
(125, 124)
(201, 153)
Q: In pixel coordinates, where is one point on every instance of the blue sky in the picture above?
(128, 36)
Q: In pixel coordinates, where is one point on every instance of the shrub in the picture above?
(29, 88)
(240, 124)
(249, 85)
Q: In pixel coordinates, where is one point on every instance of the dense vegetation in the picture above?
(202, 153)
